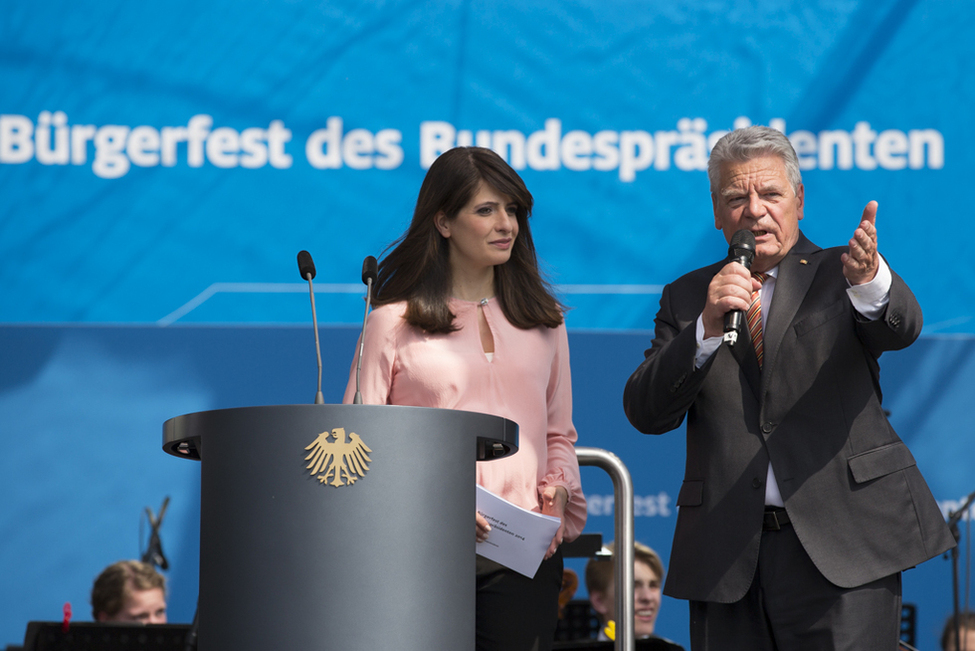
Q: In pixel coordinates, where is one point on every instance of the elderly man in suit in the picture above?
(800, 505)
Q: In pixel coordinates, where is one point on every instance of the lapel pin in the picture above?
(803, 261)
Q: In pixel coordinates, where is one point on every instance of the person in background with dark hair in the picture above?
(463, 320)
(800, 505)
(648, 576)
(129, 591)
(966, 628)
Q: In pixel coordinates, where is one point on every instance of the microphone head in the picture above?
(742, 246)
(305, 265)
(370, 270)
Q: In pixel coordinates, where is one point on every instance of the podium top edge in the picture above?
(313, 407)
(496, 436)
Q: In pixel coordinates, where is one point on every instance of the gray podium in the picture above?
(371, 548)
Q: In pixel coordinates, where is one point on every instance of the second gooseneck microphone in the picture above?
(370, 271)
(307, 269)
(741, 250)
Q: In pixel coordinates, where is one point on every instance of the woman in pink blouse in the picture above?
(463, 320)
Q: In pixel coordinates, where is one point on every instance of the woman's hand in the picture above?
(483, 528)
(554, 499)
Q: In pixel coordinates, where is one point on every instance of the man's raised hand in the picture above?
(861, 261)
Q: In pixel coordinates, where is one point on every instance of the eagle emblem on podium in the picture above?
(342, 461)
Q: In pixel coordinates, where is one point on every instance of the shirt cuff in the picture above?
(870, 299)
(705, 347)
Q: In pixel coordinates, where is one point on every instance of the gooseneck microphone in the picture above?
(741, 250)
(370, 271)
(307, 269)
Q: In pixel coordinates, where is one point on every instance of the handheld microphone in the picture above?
(307, 269)
(370, 271)
(741, 250)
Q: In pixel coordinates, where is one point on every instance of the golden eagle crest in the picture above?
(344, 462)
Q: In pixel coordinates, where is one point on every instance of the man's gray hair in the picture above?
(742, 145)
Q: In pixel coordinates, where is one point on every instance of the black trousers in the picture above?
(790, 606)
(515, 613)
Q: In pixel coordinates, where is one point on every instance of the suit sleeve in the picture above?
(661, 390)
(898, 326)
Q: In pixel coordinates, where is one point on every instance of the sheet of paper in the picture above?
(519, 538)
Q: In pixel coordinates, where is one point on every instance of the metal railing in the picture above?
(623, 536)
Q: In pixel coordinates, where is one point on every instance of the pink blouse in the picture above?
(527, 381)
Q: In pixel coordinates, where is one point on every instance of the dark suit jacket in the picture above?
(851, 487)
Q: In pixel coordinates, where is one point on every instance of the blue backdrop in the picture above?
(161, 163)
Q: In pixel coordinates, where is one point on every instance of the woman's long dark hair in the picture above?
(417, 269)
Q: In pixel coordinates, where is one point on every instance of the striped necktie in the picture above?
(754, 318)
